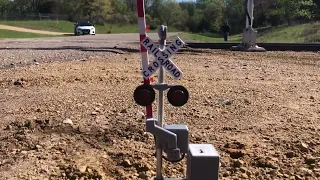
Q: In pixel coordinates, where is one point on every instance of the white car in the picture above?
(84, 27)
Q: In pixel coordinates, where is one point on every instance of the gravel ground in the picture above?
(20, 52)
(72, 119)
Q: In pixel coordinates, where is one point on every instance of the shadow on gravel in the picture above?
(80, 48)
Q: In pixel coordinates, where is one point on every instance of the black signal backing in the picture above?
(178, 96)
(144, 95)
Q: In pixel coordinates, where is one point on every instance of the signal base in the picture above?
(242, 47)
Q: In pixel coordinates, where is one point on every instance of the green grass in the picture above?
(294, 34)
(208, 37)
(67, 26)
(16, 34)
(291, 34)
(283, 34)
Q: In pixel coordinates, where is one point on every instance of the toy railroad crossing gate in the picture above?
(162, 57)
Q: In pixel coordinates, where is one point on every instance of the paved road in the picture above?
(101, 38)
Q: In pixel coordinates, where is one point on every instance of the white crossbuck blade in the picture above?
(162, 58)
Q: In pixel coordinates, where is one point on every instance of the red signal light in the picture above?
(144, 95)
(178, 96)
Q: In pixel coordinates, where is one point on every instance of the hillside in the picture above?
(303, 33)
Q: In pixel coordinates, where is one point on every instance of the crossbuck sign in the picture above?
(162, 58)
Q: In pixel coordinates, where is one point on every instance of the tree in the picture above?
(293, 9)
(171, 12)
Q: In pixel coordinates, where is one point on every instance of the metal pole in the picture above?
(250, 7)
(162, 43)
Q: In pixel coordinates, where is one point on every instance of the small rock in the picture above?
(286, 175)
(224, 101)
(243, 169)
(316, 170)
(94, 113)
(246, 101)
(83, 129)
(36, 63)
(310, 160)
(238, 163)
(90, 171)
(304, 147)
(126, 163)
(38, 147)
(249, 173)
(306, 171)
(142, 167)
(235, 153)
(290, 154)
(28, 124)
(146, 135)
(82, 169)
(68, 121)
(244, 176)
(123, 111)
(17, 83)
(227, 102)
(226, 174)
(182, 170)
(269, 163)
(24, 152)
(297, 177)
(143, 175)
(9, 127)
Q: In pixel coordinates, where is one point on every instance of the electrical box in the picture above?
(182, 133)
(203, 162)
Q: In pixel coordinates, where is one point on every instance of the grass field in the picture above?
(67, 26)
(292, 34)
(207, 37)
(15, 34)
(284, 34)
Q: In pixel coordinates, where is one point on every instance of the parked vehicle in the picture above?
(83, 28)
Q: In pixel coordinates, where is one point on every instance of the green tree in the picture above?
(3, 7)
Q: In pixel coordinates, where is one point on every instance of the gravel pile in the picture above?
(78, 120)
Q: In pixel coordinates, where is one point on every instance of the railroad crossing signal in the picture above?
(162, 58)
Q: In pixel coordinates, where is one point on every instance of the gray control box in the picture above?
(203, 162)
(182, 133)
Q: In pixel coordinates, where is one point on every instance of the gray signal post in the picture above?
(162, 43)
(202, 159)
